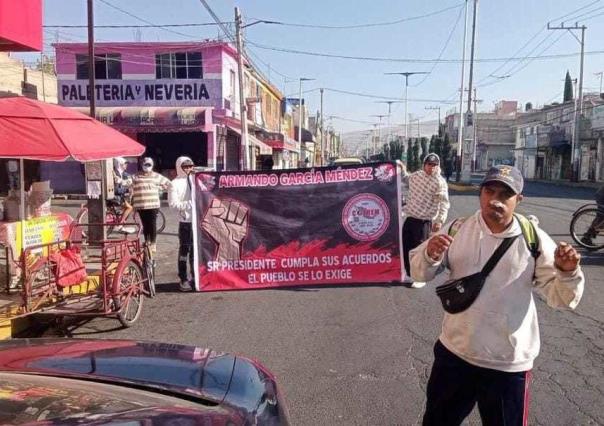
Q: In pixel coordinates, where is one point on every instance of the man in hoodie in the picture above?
(426, 207)
(180, 199)
(485, 354)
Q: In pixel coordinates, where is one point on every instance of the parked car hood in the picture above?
(188, 372)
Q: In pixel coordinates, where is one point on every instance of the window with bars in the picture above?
(179, 65)
(107, 66)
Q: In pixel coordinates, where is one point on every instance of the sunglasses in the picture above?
(432, 164)
(148, 165)
(187, 166)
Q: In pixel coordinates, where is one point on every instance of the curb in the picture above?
(460, 187)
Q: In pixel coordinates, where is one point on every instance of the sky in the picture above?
(510, 28)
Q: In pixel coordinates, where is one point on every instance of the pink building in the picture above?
(175, 98)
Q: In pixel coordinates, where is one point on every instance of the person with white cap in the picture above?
(485, 351)
(146, 189)
(180, 199)
(426, 207)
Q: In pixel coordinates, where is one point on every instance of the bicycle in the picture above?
(587, 226)
(149, 267)
(113, 217)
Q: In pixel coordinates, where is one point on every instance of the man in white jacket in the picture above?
(485, 354)
(180, 199)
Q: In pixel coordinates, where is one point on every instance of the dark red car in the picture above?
(73, 381)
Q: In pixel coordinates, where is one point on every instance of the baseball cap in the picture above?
(432, 158)
(508, 175)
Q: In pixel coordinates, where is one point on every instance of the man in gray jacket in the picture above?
(485, 354)
(180, 199)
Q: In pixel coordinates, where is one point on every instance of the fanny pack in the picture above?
(458, 295)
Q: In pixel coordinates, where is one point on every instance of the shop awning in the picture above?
(285, 144)
(264, 148)
(20, 25)
(38, 130)
(155, 119)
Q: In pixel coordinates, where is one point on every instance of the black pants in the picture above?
(455, 387)
(415, 232)
(185, 249)
(149, 222)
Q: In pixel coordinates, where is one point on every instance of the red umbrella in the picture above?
(40, 131)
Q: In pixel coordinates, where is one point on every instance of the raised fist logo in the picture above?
(226, 223)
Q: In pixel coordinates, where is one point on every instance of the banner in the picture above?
(297, 227)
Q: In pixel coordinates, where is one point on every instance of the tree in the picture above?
(432, 146)
(568, 88)
(46, 64)
(438, 147)
(446, 158)
(410, 155)
(415, 155)
(424, 145)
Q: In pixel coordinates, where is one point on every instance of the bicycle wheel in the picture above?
(161, 222)
(127, 292)
(149, 268)
(581, 229)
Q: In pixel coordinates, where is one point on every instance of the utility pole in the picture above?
(435, 108)
(601, 73)
(461, 92)
(96, 206)
(242, 102)
(578, 110)
(300, 110)
(475, 131)
(43, 85)
(379, 130)
(406, 75)
(322, 129)
(467, 168)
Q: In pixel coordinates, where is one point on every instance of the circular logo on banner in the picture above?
(365, 217)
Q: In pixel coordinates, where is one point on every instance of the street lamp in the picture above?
(389, 115)
(379, 131)
(406, 75)
(300, 111)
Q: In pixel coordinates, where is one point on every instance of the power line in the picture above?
(525, 65)
(367, 25)
(529, 41)
(442, 51)
(125, 12)
(201, 24)
(419, 60)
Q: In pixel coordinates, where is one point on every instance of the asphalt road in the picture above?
(361, 355)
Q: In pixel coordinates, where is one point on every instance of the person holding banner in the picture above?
(180, 199)
(426, 207)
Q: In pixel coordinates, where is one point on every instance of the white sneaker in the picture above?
(124, 229)
(185, 286)
(417, 284)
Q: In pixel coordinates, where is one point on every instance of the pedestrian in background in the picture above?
(180, 199)
(597, 224)
(485, 352)
(122, 182)
(146, 189)
(426, 207)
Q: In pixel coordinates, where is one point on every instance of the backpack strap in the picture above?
(455, 225)
(530, 234)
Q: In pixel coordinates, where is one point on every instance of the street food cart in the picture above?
(50, 266)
